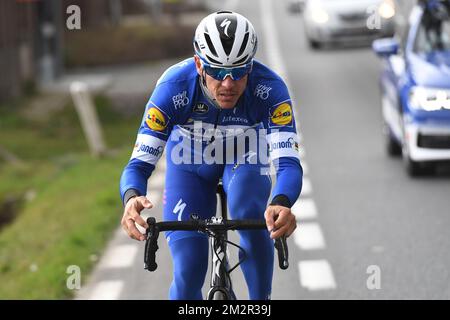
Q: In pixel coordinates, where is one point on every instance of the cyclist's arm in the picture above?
(156, 125)
(289, 182)
(283, 146)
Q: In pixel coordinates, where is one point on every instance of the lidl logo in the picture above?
(282, 115)
(156, 120)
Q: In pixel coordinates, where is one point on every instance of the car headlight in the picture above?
(429, 99)
(319, 15)
(386, 9)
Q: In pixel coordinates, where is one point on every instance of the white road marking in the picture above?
(304, 166)
(309, 236)
(107, 290)
(156, 180)
(306, 187)
(316, 275)
(154, 196)
(304, 209)
(302, 153)
(122, 256)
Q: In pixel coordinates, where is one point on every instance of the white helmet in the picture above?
(225, 39)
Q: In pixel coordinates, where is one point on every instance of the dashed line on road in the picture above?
(304, 209)
(305, 167)
(107, 290)
(310, 237)
(306, 187)
(120, 256)
(157, 180)
(316, 275)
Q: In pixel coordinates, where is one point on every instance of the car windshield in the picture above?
(433, 36)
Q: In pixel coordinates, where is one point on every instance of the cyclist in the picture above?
(197, 107)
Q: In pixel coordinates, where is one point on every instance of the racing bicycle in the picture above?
(217, 230)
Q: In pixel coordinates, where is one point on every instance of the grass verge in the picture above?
(69, 200)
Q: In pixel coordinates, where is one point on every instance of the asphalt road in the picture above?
(366, 229)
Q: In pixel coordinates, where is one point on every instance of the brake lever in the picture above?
(283, 252)
(151, 245)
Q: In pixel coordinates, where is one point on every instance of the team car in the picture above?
(415, 87)
(345, 21)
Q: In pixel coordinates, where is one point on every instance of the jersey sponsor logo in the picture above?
(290, 143)
(200, 108)
(179, 208)
(234, 119)
(262, 91)
(282, 115)
(180, 100)
(155, 119)
(154, 151)
(148, 148)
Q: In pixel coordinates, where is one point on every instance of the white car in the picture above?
(344, 21)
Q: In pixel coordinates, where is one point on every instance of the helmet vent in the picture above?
(210, 45)
(243, 45)
(227, 44)
(242, 60)
(212, 60)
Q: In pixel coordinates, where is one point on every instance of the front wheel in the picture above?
(218, 295)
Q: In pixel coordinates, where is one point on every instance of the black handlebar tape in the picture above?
(283, 253)
(151, 245)
(245, 224)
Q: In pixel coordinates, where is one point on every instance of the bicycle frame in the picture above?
(220, 285)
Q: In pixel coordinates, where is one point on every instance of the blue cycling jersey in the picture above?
(179, 112)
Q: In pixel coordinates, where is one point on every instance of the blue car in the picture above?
(415, 87)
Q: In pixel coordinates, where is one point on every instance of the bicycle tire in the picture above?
(218, 295)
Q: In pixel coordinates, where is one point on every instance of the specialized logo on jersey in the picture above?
(200, 108)
(282, 115)
(262, 91)
(180, 100)
(155, 119)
